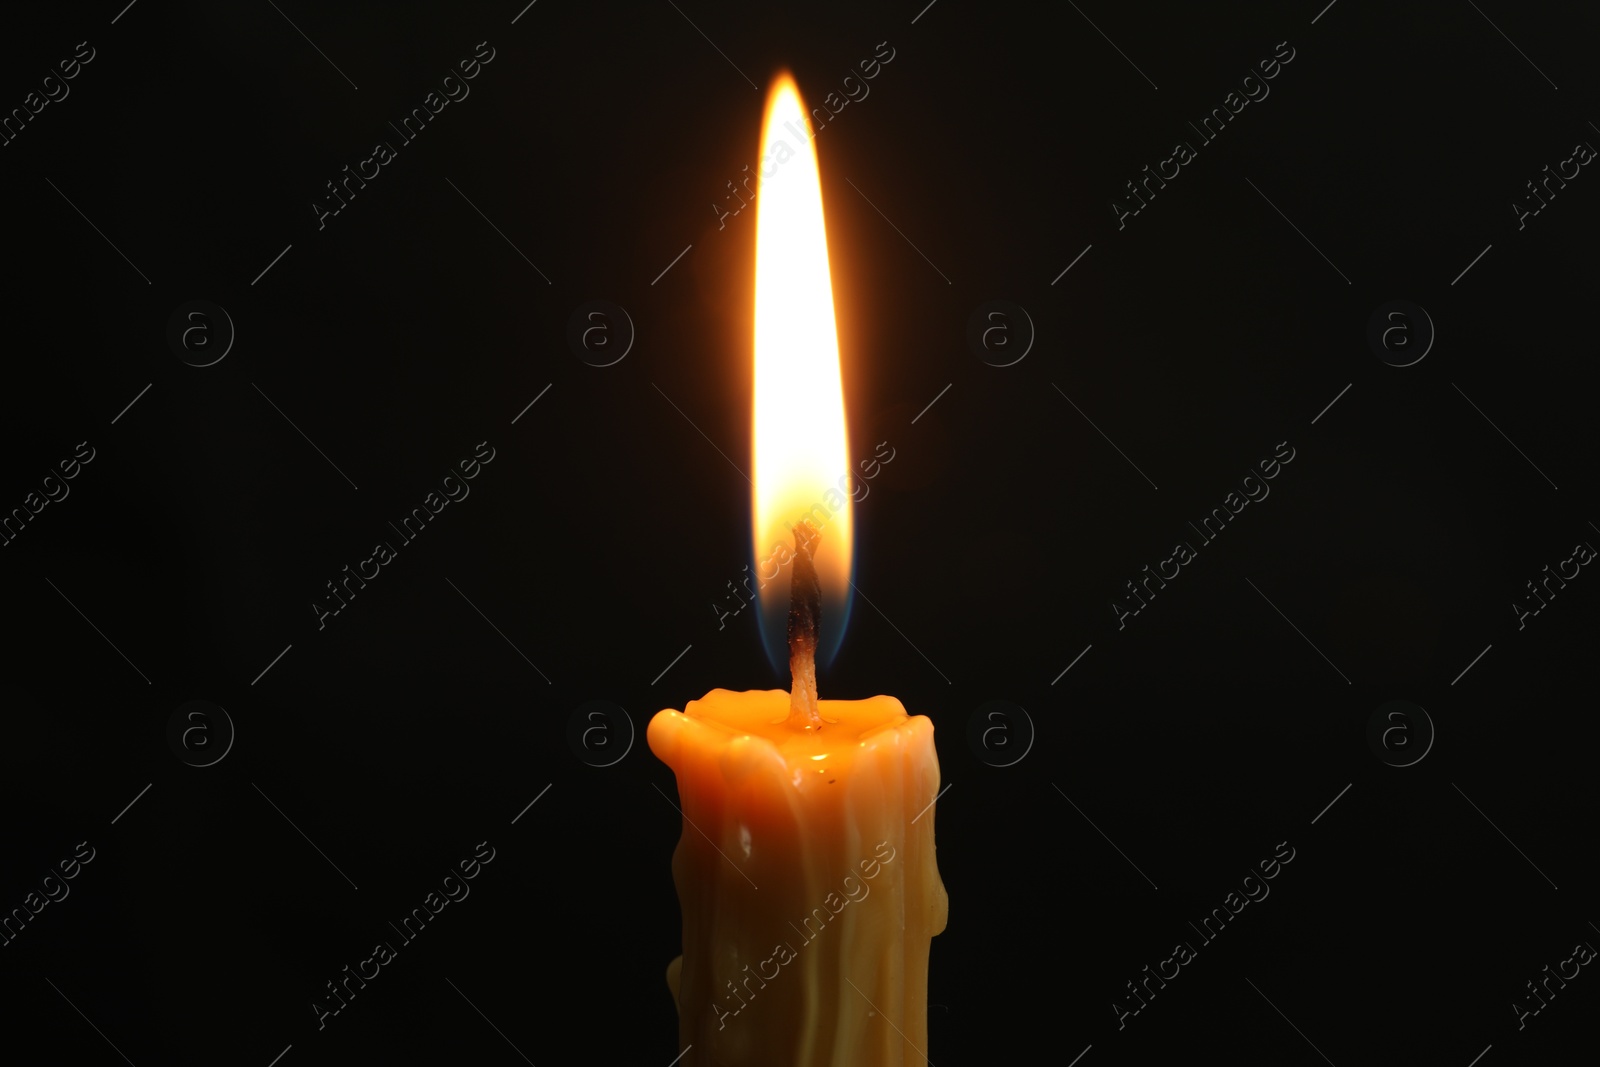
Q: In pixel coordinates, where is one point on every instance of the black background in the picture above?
(1217, 723)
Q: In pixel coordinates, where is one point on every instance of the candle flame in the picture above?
(800, 440)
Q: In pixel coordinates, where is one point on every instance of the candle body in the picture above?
(807, 878)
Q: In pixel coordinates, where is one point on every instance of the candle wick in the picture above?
(805, 611)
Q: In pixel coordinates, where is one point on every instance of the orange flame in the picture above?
(801, 445)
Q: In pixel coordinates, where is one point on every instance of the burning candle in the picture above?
(805, 870)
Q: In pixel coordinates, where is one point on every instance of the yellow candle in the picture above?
(806, 868)
(807, 879)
